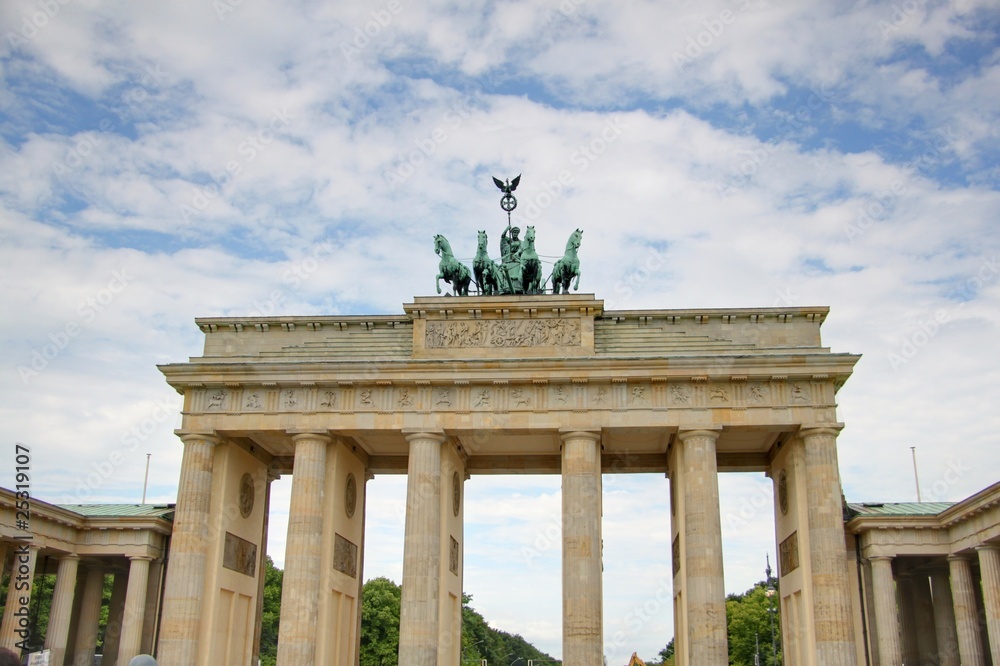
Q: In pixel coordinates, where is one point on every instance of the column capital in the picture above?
(712, 433)
(306, 435)
(193, 436)
(412, 434)
(68, 557)
(880, 558)
(819, 429)
(572, 433)
(987, 547)
(955, 557)
(148, 558)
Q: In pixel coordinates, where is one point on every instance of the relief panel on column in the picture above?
(345, 556)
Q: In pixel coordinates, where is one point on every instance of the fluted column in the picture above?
(300, 586)
(963, 595)
(22, 572)
(705, 585)
(185, 585)
(581, 556)
(944, 619)
(907, 619)
(886, 611)
(418, 615)
(90, 615)
(116, 612)
(834, 627)
(130, 643)
(923, 620)
(989, 567)
(57, 635)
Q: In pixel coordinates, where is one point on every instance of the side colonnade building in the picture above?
(82, 544)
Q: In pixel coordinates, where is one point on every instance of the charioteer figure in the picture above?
(510, 246)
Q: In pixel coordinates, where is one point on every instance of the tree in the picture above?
(270, 613)
(380, 623)
(749, 622)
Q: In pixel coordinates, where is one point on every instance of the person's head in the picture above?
(142, 660)
(9, 657)
(514, 231)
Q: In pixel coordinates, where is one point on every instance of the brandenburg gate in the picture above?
(530, 384)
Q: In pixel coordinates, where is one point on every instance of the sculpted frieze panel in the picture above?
(501, 333)
(617, 394)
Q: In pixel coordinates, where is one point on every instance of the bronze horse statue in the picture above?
(485, 269)
(531, 275)
(451, 270)
(568, 267)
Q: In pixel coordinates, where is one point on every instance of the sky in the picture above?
(166, 161)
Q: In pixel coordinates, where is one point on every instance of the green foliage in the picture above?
(749, 622)
(270, 612)
(481, 641)
(380, 623)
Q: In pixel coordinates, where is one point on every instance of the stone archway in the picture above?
(481, 385)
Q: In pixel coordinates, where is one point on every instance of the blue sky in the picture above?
(160, 162)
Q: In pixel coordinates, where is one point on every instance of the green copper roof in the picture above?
(899, 508)
(121, 510)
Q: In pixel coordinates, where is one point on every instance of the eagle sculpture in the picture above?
(509, 186)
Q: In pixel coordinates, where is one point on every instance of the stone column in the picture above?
(130, 643)
(57, 635)
(923, 610)
(989, 567)
(908, 620)
(116, 611)
(583, 641)
(944, 619)
(418, 614)
(886, 611)
(834, 627)
(90, 615)
(185, 585)
(706, 594)
(963, 592)
(300, 587)
(22, 571)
